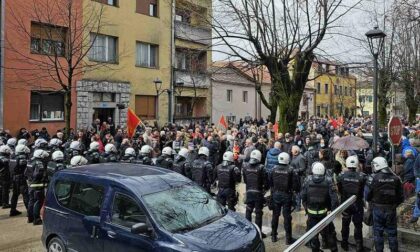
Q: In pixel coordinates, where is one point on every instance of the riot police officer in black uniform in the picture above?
(5, 178)
(129, 156)
(92, 155)
(352, 183)
(228, 176)
(18, 179)
(384, 193)
(165, 160)
(56, 164)
(145, 155)
(55, 145)
(11, 142)
(202, 169)
(282, 188)
(181, 164)
(256, 181)
(74, 149)
(36, 173)
(110, 155)
(318, 197)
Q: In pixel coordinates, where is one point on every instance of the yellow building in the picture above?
(335, 89)
(192, 59)
(138, 50)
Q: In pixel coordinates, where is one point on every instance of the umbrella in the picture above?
(350, 143)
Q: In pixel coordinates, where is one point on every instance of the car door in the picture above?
(124, 212)
(84, 220)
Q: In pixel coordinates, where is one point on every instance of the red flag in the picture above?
(276, 130)
(222, 122)
(333, 122)
(132, 122)
(340, 121)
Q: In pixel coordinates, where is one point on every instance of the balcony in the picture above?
(195, 34)
(198, 80)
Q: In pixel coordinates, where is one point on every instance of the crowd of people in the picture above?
(287, 172)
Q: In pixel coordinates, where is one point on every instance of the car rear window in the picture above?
(83, 198)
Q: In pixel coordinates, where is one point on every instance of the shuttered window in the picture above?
(146, 107)
(147, 7)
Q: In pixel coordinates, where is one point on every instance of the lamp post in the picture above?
(171, 91)
(376, 40)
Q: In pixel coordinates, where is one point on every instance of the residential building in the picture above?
(134, 50)
(335, 89)
(30, 95)
(192, 59)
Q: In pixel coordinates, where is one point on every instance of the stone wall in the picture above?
(86, 105)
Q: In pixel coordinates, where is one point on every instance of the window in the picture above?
(231, 119)
(345, 91)
(147, 7)
(86, 199)
(182, 15)
(326, 88)
(146, 106)
(104, 48)
(318, 88)
(108, 2)
(191, 60)
(341, 90)
(48, 39)
(245, 96)
(103, 97)
(370, 98)
(46, 106)
(62, 191)
(229, 97)
(181, 60)
(335, 89)
(126, 212)
(147, 55)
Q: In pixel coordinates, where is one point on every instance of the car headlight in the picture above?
(258, 230)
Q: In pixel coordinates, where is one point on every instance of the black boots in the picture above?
(14, 212)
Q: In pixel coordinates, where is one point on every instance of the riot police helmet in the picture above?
(57, 156)
(110, 148)
(255, 157)
(204, 151)
(5, 150)
(130, 152)
(78, 161)
(55, 142)
(352, 162)
(228, 156)
(75, 145)
(94, 146)
(146, 150)
(284, 158)
(318, 169)
(41, 154)
(379, 163)
(183, 152)
(12, 142)
(22, 142)
(22, 149)
(40, 143)
(167, 151)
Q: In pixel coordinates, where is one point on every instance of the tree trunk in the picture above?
(289, 112)
(273, 113)
(67, 112)
(412, 111)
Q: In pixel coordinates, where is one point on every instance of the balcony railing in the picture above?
(188, 79)
(196, 34)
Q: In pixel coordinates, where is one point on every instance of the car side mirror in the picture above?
(140, 228)
(95, 220)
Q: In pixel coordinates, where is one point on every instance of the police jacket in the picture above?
(36, 174)
(21, 163)
(281, 180)
(311, 156)
(385, 190)
(53, 167)
(4, 168)
(145, 160)
(228, 175)
(93, 157)
(182, 166)
(165, 162)
(351, 183)
(109, 158)
(255, 177)
(319, 194)
(202, 171)
(129, 159)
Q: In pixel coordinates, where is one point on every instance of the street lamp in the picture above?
(159, 91)
(376, 40)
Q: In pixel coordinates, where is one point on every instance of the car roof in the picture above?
(141, 179)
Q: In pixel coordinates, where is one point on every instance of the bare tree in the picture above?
(61, 35)
(281, 36)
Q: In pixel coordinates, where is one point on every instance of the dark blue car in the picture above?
(130, 207)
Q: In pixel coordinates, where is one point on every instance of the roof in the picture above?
(142, 179)
(228, 74)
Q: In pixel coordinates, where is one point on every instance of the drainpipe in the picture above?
(172, 79)
(2, 19)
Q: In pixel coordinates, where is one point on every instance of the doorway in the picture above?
(103, 114)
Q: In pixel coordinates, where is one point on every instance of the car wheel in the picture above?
(56, 245)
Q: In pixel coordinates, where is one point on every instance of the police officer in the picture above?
(40, 144)
(36, 173)
(55, 144)
(129, 156)
(384, 193)
(74, 149)
(352, 183)
(110, 155)
(92, 155)
(228, 175)
(11, 142)
(256, 181)
(22, 142)
(56, 164)
(181, 164)
(282, 187)
(145, 155)
(18, 179)
(202, 169)
(318, 196)
(165, 160)
(78, 160)
(5, 178)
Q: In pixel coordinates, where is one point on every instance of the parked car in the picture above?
(131, 207)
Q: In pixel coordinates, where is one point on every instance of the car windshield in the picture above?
(183, 208)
